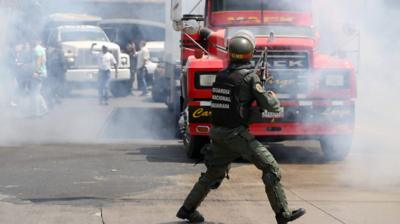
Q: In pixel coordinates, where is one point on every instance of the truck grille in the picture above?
(288, 69)
(285, 59)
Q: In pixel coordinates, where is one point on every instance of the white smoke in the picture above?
(6, 78)
(377, 122)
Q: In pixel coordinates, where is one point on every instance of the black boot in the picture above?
(281, 219)
(192, 216)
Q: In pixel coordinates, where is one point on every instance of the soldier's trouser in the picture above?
(228, 145)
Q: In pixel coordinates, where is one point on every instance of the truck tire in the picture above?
(157, 96)
(194, 144)
(335, 148)
(158, 92)
(120, 88)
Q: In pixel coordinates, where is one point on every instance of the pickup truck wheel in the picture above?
(194, 144)
(335, 148)
(66, 90)
(120, 88)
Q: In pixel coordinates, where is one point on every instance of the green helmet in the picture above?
(241, 46)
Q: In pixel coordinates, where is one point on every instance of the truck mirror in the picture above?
(191, 27)
(317, 36)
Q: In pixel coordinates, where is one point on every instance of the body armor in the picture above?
(226, 107)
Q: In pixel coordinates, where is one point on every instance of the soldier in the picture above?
(233, 93)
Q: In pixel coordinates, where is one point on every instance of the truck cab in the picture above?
(317, 91)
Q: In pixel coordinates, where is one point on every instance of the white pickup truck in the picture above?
(76, 41)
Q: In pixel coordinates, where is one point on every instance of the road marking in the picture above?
(315, 206)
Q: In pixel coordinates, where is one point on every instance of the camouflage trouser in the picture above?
(226, 146)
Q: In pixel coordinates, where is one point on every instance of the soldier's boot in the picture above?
(284, 218)
(191, 216)
(192, 202)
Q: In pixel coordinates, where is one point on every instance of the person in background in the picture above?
(105, 61)
(57, 67)
(143, 56)
(23, 71)
(38, 77)
(131, 50)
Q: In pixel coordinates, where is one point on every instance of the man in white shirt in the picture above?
(105, 61)
(143, 56)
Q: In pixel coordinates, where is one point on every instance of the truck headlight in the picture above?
(335, 79)
(124, 61)
(205, 80)
(71, 61)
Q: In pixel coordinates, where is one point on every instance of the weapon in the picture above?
(261, 67)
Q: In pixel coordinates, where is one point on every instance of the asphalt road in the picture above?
(86, 163)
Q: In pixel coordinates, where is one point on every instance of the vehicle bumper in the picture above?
(88, 77)
(312, 121)
(285, 131)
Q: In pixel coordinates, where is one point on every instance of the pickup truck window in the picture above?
(82, 35)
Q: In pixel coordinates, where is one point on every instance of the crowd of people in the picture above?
(39, 78)
(40, 75)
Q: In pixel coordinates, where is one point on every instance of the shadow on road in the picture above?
(159, 154)
(183, 222)
(283, 154)
(67, 200)
(139, 123)
(296, 154)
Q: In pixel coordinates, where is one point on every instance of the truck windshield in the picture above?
(251, 5)
(279, 31)
(83, 35)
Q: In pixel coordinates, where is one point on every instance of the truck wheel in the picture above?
(158, 93)
(335, 148)
(157, 96)
(194, 144)
(120, 88)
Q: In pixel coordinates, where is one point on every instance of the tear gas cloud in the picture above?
(377, 76)
(377, 121)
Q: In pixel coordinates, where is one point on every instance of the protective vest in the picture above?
(226, 108)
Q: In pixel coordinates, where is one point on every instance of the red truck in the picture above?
(317, 91)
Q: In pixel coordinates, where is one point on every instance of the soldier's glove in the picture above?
(273, 102)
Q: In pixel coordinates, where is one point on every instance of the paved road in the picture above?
(86, 163)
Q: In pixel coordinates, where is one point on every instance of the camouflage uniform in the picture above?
(228, 144)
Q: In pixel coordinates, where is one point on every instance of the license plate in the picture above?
(267, 114)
